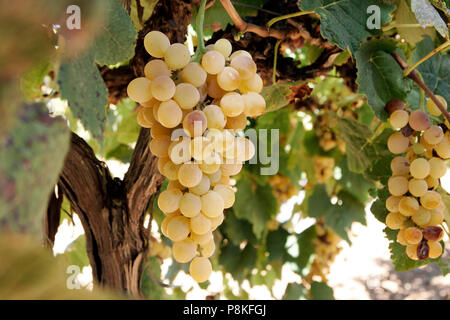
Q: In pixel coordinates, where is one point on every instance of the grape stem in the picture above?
(249, 27)
(275, 57)
(415, 77)
(287, 16)
(427, 56)
(200, 39)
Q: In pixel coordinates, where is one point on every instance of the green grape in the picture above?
(202, 187)
(421, 217)
(399, 119)
(227, 194)
(200, 224)
(420, 168)
(408, 206)
(155, 68)
(212, 204)
(139, 90)
(200, 269)
(213, 62)
(194, 74)
(417, 187)
(163, 88)
(228, 79)
(186, 95)
(190, 205)
(169, 200)
(189, 175)
(438, 168)
(398, 185)
(156, 43)
(394, 220)
(232, 104)
(177, 56)
(398, 143)
(169, 114)
(178, 228)
(223, 46)
(184, 251)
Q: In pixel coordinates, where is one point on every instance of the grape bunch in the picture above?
(196, 112)
(415, 207)
(158, 249)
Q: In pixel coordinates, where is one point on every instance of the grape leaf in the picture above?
(321, 291)
(436, 70)
(379, 76)
(354, 183)
(294, 291)
(237, 230)
(340, 216)
(30, 83)
(344, 22)
(276, 244)
(255, 203)
(404, 15)
(79, 79)
(236, 261)
(277, 95)
(32, 154)
(427, 14)
(305, 248)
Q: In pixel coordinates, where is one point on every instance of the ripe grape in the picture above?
(411, 251)
(189, 175)
(217, 221)
(180, 151)
(401, 237)
(178, 228)
(393, 105)
(236, 123)
(420, 168)
(419, 120)
(213, 62)
(169, 200)
(432, 183)
(433, 233)
(239, 53)
(208, 249)
(169, 114)
(431, 200)
(232, 104)
(443, 147)
(255, 105)
(190, 205)
(231, 169)
(421, 217)
(171, 170)
(163, 88)
(408, 206)
(254, 84)
(156, 43)
(433, 135)
(194, 123)
(223, 46)
(200, 269)
(184, 251)
(228, 79)
(174, 184)
(139, 90)
(213, 88)
(177, 56)
(200, 224)
(186, 95)
(433, 108)
(215, 177)
(392, 203)
(215, 116)
(159, 146)
(400, 166)
(202, 187)
(398, 185)
(245, 66)
(417, 187)
(399, 119)
(413, 235)
(418, 148)
(145, 118)
(437, 217)
(158, 130)
(211, 169)
(435, 249)
(212, 204)
(201, 239)
(397, 143)
(155, 68)
(394, 220)
(194, 74)
(438, 167)
(227, 194)
(198, 145)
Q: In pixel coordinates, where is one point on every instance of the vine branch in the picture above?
(415, 77)
(249, 27)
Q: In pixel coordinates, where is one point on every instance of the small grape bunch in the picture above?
(415, 207)
(194, 111)
(158, 249)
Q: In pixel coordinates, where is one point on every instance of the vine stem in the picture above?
(201, 49)
(415, 77)
(275, 57)
(428, 56)
(249, 27)
(405, 25)
(287, 16)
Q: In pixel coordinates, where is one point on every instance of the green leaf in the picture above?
(379, 76)
(237, 262)
(306, 248)
(237, 230)
(30, 83)
(344, 22)
(79, 79)
(365, 114)
(294, 291)
(255, 203)
(426, 14)
(276, 244)
(151, 280)
(354, 183)
(277, 94)
(321, 291)
(340, 216)
(32, 154)
(404, 15)
(436, 70)
(81, 84)
(76, 253)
